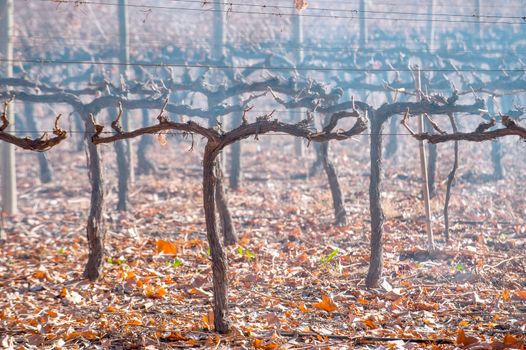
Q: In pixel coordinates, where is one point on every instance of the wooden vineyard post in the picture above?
(218, 55)
(431, 27)
(423, 167)
(478, 27)
(123, 149)
(7, 153)
(363, 25)
(297, 44)
(124, 59)
(235, 152)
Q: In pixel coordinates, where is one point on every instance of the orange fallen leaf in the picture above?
(498, 318)
(200, 292)
(261, 344)
(465, 340)
(88, 335)
(425, 306)
(362, 300)
(509, 342)
(192, 342)
(70, 334)
(155, 292)
(302, 258)
(194, 243)
(506, 295)
(512, 341)
(40, 275)
(208, 320)
(112, 308)
(213, 340)
(302, 308)
(129, 275)
(165, 247)
(175, 336)
(521, 294)
(397, 303)
(326, 304)
(134, 322)
(370, 324)
(3, 314)
(63, 293)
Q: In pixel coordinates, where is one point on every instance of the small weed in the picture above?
(118, 261)
(328, 258)
(174, 263)
(459, 266)
(245, 253)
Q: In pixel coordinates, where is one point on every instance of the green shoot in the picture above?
(328, 258)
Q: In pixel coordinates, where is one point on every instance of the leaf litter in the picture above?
(296, 281)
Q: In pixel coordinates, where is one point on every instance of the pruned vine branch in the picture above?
(40, 144)
(260, 126)
(511, 128)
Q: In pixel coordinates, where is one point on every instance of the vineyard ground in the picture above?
(282, 267)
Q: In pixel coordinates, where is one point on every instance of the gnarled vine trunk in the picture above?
(375, 205)
(95, 228)
(229, 232)
(450, 179)
(432, 158)
(219, 263)
(318, 162)
(340, 214)
(227, 226)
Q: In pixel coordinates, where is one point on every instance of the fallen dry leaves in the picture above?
(289, 285)
(326, 304)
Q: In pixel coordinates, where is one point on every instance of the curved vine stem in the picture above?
(450, 178)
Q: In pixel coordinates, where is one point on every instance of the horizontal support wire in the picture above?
(521, 20)
(220, 66)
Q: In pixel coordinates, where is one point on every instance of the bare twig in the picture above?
(161, 118)
(3, 117)
(433, 124)
(98, 128)
(244, 120)
(404, 123)
(116, 124)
